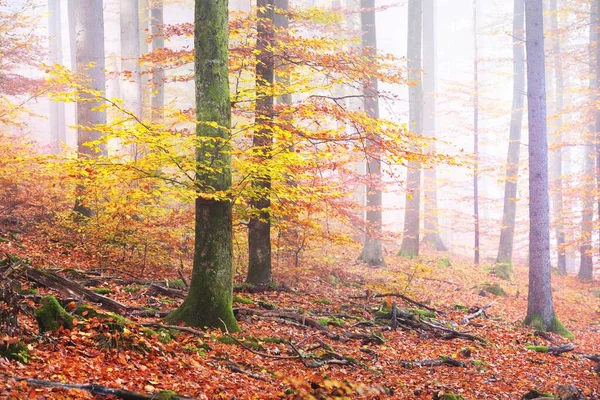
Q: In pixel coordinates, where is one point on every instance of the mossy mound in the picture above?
(51, 316)
(503, 270)
(555, 326)
(492, 288)
(15, 351)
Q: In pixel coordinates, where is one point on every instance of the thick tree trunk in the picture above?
(89, 50)
(58, 125)
(372, 252)
(432, 235)
(557, 156)
(586, 268)
(208, 303)
(540, 308)
(507, 234)
(475, 136)
(158, 73)
(410, 237)
(259, 225)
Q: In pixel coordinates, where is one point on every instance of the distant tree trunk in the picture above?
(586, 268)
(410, 237)
(72, 33)
(131, 85)
(597, 24)
(540, 308)
(57, 109)
(158, 73)
(259, 225)
(507, 234)
(208, 303)
(475, 134)
(89, 49)
(432, 234)
(282, 22)
(557, 158)
(372, 252)
(144, 18)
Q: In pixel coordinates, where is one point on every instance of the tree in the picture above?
(432, 234)
(372, 252)
(586, 268)
(557, 156)
(208, 302)
(507, 234)
(158, 74)
(540, 307)
(410, 238)
(475, 135)
(57, 109)
(130, 54)
(259, 225)
(89, 56)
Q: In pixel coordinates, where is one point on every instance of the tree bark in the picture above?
(372, 252)
(432, 235)
(259, 225)
(58, 125)
(410, 237)
(158, 73)
(507, 234)
(144, 19)
(475, 136)
(586, 268)
(557, 154)
(208, 303)
(131, 83)
(540, 307)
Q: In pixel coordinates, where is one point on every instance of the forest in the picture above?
(299, 199)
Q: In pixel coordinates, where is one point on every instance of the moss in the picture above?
(132, 288)
(275, 340)
(86, 312)
(503, 270)
(596, 293)
(479, 364)
(225, 340)
(534, 394)
(331, 321)
(167, 395)
(450, 396)
(242, 300)
(15, 351)
(422, 313)
(444, 262)
(28, 291)
(51, 316)
(494, 289)
(102, 290)
(323, 301)
(539, 349)
(175, 284)
(461, 307)
(537, 323)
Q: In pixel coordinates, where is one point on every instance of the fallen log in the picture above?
(433, 363)
(98, 390)
(476, 313)
(154, 289)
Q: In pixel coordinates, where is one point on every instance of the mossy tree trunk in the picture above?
(540, 307)
(432, 234)
(410, 237)
(259, 225)
(208, 303)
(372, 252)
(507, 233)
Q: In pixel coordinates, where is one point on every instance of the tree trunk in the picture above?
(72, 33)
(475, 135)
(557, 157)
(586, 268)
(372, 252)
(507, 234)
(131, 84)
(89, 29)
(540, 308)
(208, 303)
(158, 73)
(57, 109)
(410, 238)
(144, 18)
(259, 225)
(432, 235)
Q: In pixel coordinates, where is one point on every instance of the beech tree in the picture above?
(57, 109)
(410, 237)
(507, 234)
(259, 225)
(372, 252)
(540, 306)
(476, 243)
(131, 84)
(158, 74)
(432, 235)
(208, 303)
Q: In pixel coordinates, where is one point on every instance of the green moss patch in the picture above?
(102, 290)
(242, 300)
(51, 316)
(15, 351)
(503, 270)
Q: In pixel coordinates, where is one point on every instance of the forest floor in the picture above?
(331, 333)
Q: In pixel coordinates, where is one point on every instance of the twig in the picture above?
(478, 312)
(260, 353)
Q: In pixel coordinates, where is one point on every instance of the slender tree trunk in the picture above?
(507, 234)
(586, 268)
(208, 303)
(432, 235)
(259, 225)
(144, 18)
(476, 134)
(410, 238)
(557, 156)
(72, 33)
(158, 73)
(372, 252)
(597, 25)
(540, 308)
(57, 109)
